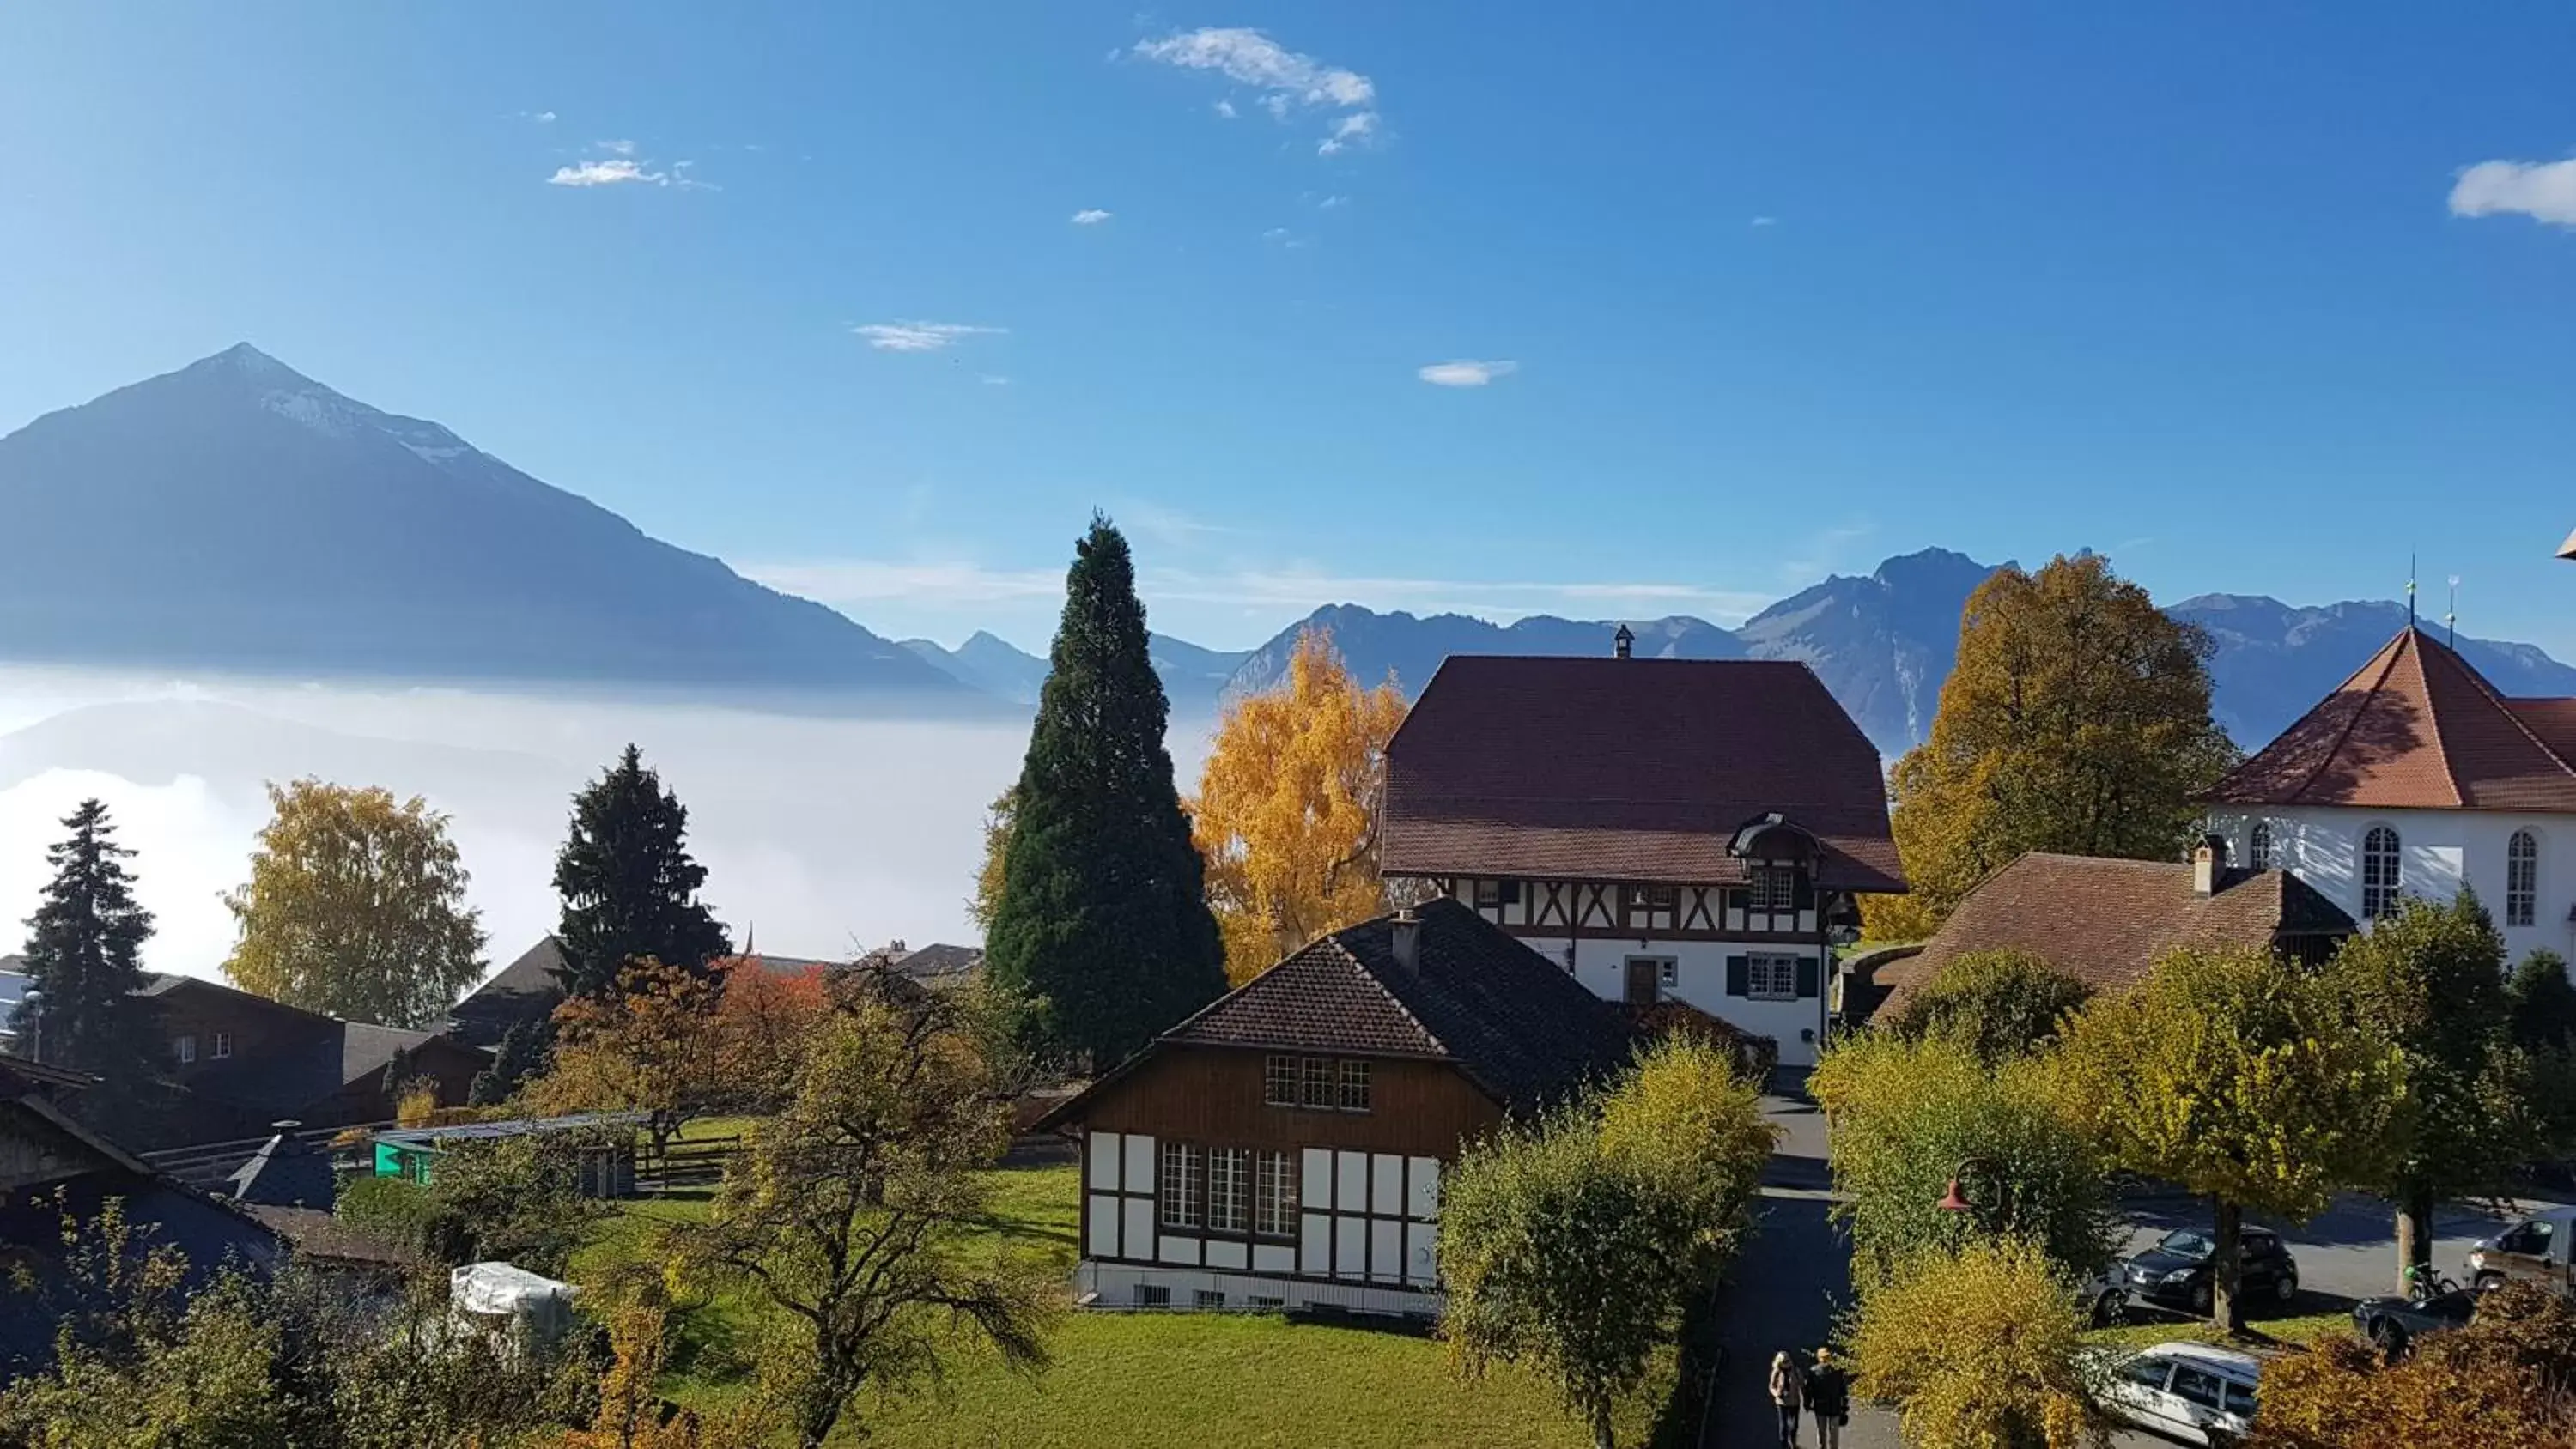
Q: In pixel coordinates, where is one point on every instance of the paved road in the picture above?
(1794, 1278)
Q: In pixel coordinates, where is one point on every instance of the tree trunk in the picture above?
(1601, 1438)
(2414, 1232)
(2226, 1268)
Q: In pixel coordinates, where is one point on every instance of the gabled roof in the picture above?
(1526, 1033)
(2107, 922)
(1630, 770)
(2416, 728)
(284, 1172)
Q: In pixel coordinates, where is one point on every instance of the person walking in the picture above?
(1829, 1399)
(1788, 1386)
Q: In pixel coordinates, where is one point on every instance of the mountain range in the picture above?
(237, 514)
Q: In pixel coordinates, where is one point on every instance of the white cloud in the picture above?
(2545, 191)
(1764, 221)
(615, 171)
(920, 336)
(1090, 216)
(992, 379)
(1466, 372)
(1332, 203)
(618, 148)
(1287, 80)
(542, 118)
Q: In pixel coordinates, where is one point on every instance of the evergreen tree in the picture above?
(82, 948)
(629, 886)
(1103, 913)
(521, 1054)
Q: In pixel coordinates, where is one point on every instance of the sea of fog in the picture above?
(826, 835)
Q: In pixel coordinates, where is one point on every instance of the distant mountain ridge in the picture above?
(238, 514)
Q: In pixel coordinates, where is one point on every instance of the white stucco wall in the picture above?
(1700, 980)
(2439, 851)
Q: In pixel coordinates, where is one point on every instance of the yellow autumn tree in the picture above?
(1288, 808)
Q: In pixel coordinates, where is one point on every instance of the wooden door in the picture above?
(1641, 980)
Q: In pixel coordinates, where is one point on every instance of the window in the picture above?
(2148, 1371)
(1279, 1082)
(1775, 888)
(2198, 1386)
(187, 1049)
(2521, 878)
(1274, 1195)
(1153, 1295)
(1495, 894)
(1228, 1206)
(1184, 1184)
(1259, 1300)
(2258, 846)
(223, 1045)
(1355, 1086)
(1319, 1083)
(2240, 1398)
(2379, 873)
(1771, 978)
(1208, 1298)
(1668, 972)
(1653, 898)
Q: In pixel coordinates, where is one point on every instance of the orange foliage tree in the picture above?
(764, 1019)
(650, 1046)
(1288, 808)
(2507, 1378)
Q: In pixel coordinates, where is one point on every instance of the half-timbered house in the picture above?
(1284, 1147)
(1684, 830)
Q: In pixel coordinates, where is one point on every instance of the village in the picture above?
(1610, 1049)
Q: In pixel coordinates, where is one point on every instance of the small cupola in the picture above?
(1624, 642)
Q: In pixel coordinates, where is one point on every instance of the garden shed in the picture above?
(602, 1146)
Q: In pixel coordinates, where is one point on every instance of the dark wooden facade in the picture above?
(1214, 1095)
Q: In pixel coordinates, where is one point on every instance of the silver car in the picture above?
(2187, 1391)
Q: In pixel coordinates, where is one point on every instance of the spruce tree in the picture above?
(629, 886)
(1103, 912)
(83, 945)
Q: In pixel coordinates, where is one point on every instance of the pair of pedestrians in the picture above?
(1823, 1389)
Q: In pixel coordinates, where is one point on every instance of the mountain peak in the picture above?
(249, 361)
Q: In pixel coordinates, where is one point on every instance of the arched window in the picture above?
(2521, 878)
(2379, 873)
(2258, 846)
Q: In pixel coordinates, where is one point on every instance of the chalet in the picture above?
(1663, 829)
(529, 988)
(1284, 1147)
(2415, 777)
(245, 1061)
(2107, 922)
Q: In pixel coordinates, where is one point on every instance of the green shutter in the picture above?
(1807, 975)
(1738, 976)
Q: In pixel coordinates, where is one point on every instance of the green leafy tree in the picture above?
(1103, 916)
(84, 945)
(1905, 1114)
(521, 1054)
(2431, 979)
(2241, 1076)
(2076, 720)
(629, 885)
(2540, 1003)
(355, 908)
(1998, 1004)
(860, 1212)
(1573, 1246)
(1981, 1350)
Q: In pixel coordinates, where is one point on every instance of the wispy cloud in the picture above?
(542, 118)
(1332, 203)
(992, 379)
(1764, 221)
(1466, 372)
(2545, 191)
(914, 336)
(617, 148)
(1090, 216)
(1287, 81)
(612, 171)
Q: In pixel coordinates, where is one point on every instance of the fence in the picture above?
(692, 1163)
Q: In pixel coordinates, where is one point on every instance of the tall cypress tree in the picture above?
(1104, 909)
(83, 945)
(629, 886)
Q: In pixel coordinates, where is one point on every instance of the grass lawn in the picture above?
(2297, 1328)
(1150, 1379)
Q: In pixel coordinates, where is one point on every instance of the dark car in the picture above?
(2176, 1272)
(2395, 1323)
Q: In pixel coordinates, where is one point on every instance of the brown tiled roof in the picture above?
(2106, 922)
(1509, 1018)
(1630, 770)
(2416, 728)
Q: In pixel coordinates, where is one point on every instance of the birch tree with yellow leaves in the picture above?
(1288, 808)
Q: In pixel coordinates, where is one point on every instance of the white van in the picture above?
(2186, 1391)
(2534, 1250)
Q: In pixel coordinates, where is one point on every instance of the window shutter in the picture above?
(1803, 894)
(1737, 972)
(1807, 975)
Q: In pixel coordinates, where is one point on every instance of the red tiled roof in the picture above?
(2107, 922)
(1630, 770)
(2416, 728)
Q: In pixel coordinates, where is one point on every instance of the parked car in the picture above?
(2105, 1298)
(2534, 1250)
(2186, 1391)
(2394, 1323)
(2177, 1273)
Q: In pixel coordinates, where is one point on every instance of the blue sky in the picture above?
(2232, 293)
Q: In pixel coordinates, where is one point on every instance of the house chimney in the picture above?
(1405, 939)
(2208, 860)
(1623, 641)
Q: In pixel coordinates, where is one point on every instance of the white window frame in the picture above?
(1775, 888)
(1274, 1195)
(1182, 1199)
(2522, 878)
(2260, 851)
(187, 1047)
(2379, 897)
(1770, 976)
(223, 1046)
(1668, 972)
(1229, 1189)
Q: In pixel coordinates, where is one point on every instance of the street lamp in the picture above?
(1956, 1199)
